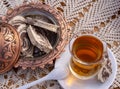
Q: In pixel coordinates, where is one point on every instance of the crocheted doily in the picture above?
(98, 17)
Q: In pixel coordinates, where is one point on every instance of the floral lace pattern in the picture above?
(98, 17)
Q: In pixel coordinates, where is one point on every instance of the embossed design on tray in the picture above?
(9, 47)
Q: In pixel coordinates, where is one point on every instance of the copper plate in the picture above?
(9, 47)
(57, 18)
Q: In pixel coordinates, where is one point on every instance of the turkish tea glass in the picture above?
(87, 56)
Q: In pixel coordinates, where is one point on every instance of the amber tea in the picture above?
(87, 53)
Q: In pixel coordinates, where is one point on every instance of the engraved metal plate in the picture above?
(58, 40)
(9, 47)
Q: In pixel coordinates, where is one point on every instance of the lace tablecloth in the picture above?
(98, 17)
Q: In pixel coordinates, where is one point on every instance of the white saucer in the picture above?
(72, 82)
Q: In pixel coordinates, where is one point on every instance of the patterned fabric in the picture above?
(98, 17)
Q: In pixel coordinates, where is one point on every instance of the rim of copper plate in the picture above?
(63, 37)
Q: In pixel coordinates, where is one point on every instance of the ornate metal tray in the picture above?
(58, 40)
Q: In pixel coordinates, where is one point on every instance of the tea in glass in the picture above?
(86, 60)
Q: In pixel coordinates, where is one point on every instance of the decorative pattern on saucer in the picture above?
(9, 47)
(105, 71)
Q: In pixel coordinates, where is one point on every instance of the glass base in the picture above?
(81, 77)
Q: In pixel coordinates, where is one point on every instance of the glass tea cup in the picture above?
(87, 56)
